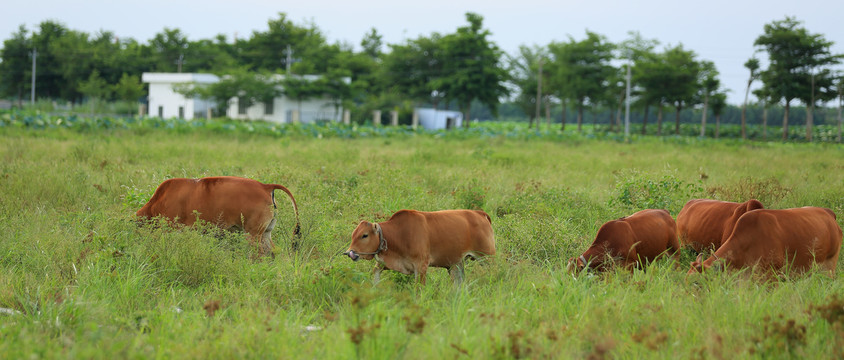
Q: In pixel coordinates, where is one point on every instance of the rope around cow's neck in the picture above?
(382, 242)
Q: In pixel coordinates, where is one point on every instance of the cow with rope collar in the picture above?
(411, 241)
(629, 242)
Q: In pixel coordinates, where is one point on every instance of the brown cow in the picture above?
(225, 201)
(779, 239)
(704, 223)
(411, 241)
(630, 241)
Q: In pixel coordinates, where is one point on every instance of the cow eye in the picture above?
(365, 236)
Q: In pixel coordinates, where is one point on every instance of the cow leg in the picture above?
(420, 272)
(376, 273)
(267, 240)
(457, 273)
(259, 226)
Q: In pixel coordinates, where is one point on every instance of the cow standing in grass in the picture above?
(225, 201)
(630, 242)
(411, 241)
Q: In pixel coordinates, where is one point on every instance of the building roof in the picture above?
(179, 78)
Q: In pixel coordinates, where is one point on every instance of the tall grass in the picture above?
(89, 283)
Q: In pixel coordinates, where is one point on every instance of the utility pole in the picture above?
(180, 61)
(538, 94)
(627, 106)
(32, 94)
(288, 58)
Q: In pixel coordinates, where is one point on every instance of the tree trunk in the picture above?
(811, 110)
(616, 120)
(839, 117)
(703, 118)
(645, 120)
(618, 114)
(579, 116)
(547, 113)
(563, 119)
(744, 112)
(785, 121)
(810, 118)
(717, 125)
(765, 121)
(677, 120)
(466, 108)
(659, 119)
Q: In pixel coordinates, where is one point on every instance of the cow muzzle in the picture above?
(352, 255)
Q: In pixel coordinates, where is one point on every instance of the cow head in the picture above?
(365, 242)
(697, 266)
(576, 265)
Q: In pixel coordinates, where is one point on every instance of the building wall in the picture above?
(283, 107)
(438, 119)
(162, 96)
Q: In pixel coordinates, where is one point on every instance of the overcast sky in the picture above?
(717, 30)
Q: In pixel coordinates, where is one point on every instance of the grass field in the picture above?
(79, 279)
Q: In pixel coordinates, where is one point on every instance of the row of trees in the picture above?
(581, 74)
(463, 69)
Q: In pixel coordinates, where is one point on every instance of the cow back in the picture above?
(788, 237)
(704, 223)
(444, 237)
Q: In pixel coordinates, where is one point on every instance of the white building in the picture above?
(433, 119)
(166, 103)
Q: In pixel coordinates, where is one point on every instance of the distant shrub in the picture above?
(136, 198)
(643, 191)
(768, 191)
(471, 195)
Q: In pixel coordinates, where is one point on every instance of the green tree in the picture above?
(718, 102)
(794, 55)
(300, 88)
(524, 74)
(334, 85)
(372, 43)
(681, 82)
(95, 88)
(753, 66)
(839, 89)
(267, 50)
(15, 65)
(765, 99)
(170, 50)
(708, 84)
(472, 69)
(129, 88)
(414, 69)
(585, 67)
(646, 84)
(49, 82)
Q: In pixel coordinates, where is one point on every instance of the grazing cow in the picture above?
(630, 241)
(704, 223)
(779, 239)
(411, 241)
(225, 201)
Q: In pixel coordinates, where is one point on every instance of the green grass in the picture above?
(89, 283)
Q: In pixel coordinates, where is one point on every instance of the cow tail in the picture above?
(297, 231)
